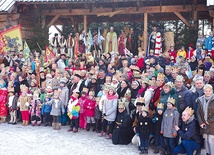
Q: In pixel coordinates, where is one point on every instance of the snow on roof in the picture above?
(210, 2)
(6, 5)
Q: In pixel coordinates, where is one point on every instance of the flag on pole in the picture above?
(49, 55)
(99, 40)
(90, 41)
(26, 51)
(12, 38)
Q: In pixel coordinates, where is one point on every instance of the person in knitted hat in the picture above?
(81, 101)
(12, 105)
(158, 138)
(73, 112)
(64, 94)
(89, 106)
(57, 107)
(170, 120)
(46, 110)
(143, 130)
(35, 110)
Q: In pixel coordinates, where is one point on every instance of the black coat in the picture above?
(156, 123)
(143, 126)
(123, 132)
(121, 93)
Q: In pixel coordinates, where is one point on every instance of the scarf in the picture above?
(200, 92)
(111, 97)
(206, 105)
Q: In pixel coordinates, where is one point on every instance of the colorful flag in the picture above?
(26, 51)
(90, 41)
(12, 38)
(49, 55)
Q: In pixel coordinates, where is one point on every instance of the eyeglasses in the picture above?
(120, 108)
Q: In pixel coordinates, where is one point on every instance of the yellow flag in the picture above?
(26, 51)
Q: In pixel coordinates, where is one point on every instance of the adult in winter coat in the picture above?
(168, 91)
(109, 112)
(189, 133)
(205, 116)
(123, 131)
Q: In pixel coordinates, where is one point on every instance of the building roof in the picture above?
(7, 5)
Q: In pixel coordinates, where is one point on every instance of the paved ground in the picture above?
(19, 140)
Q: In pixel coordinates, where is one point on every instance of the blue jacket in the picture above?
(183, 99)
(208, 44)
(190, 131)
(46, 108)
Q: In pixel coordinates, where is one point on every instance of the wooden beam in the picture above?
(85, 23)
(53, 20)
(58, 29)
(125, 10)
(145, 32)
(182, 18)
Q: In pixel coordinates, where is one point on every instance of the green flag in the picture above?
(26, 51)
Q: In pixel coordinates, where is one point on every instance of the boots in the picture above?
(102, 134)
(33, 123)
(75, 130)
(162, 152)
(94, 127)
(11, 119)
(23, 122)
(54, 126)
(71, 129)
(109, 136)
(142, 151)
(145, 150)
(39, 123)
(58, 126)
(156, 150)
(26, 123)
(88, 127)
(14, 120)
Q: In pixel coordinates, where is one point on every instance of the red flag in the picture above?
(49, 55)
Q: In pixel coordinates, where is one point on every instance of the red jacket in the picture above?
(89, 106)
(191, 53)
(173, 53)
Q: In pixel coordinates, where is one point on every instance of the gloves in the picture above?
(104, 114)
(27, 104)
(154, 120)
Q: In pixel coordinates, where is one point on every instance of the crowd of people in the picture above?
(160, 99)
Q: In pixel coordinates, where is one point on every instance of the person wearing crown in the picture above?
(205, 113)
(35, 109)
(160, 83)
(90, 105)
(170, 119)
(109, 111)
(158, 138)
(189, 133)
(143, 130)
(123, 132)
(24, 103)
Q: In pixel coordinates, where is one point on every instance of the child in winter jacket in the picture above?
(158, 137)
(143, 129)
(35, 109)
(89, 106)
(170, 120)
(46, 110)
(73, 112)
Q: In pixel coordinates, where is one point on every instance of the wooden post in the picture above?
(145, 37)
(85, 23)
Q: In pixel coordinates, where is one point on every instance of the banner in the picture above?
(26, 51)
(49, 55)
(12, 38)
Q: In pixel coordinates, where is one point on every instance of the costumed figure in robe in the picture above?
(131, 42)
(55, 43)
(155, 42)
(63, 44)
(82, 42)
(122, 42)
(3, 101)
(95, 48)
(76, 45)
(70, 45)
(111, 41)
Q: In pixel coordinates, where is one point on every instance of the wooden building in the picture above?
(58, 12)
